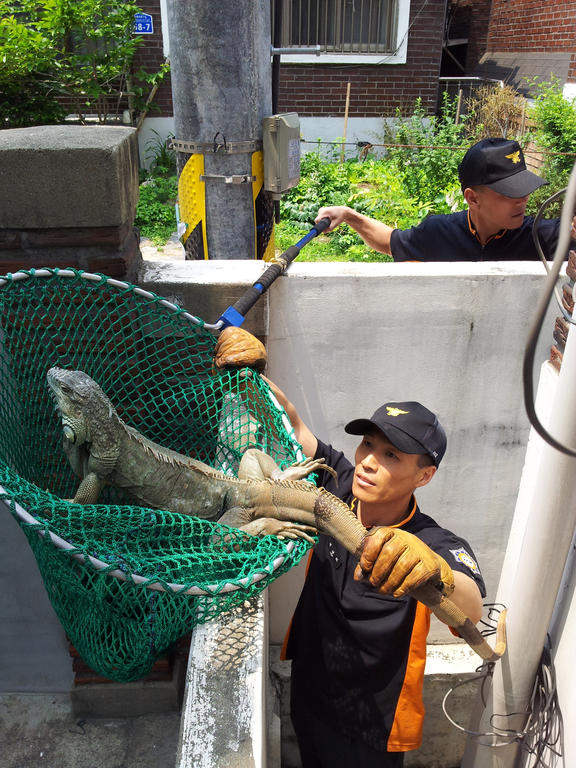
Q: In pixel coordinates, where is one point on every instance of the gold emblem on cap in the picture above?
(395, 411)
(514, 156)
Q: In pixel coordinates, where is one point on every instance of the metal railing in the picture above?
(466, 85)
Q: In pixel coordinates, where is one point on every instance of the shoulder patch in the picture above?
(461, 556)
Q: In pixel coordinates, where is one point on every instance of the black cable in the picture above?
(544, 730)
(530, 350)
(536, 238)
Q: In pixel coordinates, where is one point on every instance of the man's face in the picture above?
(500, 211)
(384, 474)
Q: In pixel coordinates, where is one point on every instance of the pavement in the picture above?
(41, 731)
(170, 251)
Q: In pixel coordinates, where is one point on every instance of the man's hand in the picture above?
(396, 562)
(336, 214)
(238, 348)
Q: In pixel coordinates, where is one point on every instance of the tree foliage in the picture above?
(54, 53)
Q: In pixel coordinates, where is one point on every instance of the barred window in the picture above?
(342, 26)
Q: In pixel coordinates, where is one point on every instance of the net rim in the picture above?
(68, 272)
(158, 586)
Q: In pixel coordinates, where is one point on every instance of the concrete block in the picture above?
(224, 710)
(133, 699)
(68, 176)
(207, 288)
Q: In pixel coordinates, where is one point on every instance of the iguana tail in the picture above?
(345, 527)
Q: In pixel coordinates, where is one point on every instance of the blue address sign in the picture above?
(143, 24)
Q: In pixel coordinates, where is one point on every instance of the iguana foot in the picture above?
(257, 465)
(284, 529)
(301, 469)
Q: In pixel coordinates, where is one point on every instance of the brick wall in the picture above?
(532, 25)
(376, 90)
(150, 56)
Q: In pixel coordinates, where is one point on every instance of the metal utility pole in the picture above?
(221, 90)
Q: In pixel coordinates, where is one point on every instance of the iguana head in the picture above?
(79, 401)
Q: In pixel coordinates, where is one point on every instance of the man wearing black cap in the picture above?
(358, 640)
(496, 185)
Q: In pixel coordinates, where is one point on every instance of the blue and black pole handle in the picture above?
(236, 313)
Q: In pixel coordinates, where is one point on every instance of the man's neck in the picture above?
(481, 231)
(378, 514)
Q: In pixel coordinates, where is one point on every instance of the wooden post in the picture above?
(458, 106)
(345, 121)
(523, 119)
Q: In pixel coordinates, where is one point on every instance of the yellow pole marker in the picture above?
(192, 199)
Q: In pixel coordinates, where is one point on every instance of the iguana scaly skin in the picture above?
(263, 499)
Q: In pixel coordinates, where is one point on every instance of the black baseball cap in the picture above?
(498, 164)
(409, 426)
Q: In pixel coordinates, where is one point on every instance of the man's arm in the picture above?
(238, 348)
(303, 433)
(395, 562)
(375, 234)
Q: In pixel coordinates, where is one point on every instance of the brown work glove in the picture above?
(396, 562)
(238, 348)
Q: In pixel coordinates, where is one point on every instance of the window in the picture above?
(357, 30)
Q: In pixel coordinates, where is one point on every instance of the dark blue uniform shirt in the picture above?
(450, 237)
(354, 649)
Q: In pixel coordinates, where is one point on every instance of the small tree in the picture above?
(58, 52)
(495, 111)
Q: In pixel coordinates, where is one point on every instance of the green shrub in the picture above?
(554, 132)
(155, 214)
(555, 129)
(429, 166)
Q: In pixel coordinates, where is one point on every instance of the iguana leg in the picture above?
(89, 490)
(267, 526)
(257, 465)
(283, 529)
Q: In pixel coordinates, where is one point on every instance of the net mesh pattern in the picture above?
(158, 573)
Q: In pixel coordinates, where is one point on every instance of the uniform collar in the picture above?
(413, 506)
(474, 232)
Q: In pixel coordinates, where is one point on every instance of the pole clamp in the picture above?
(236, 179)
(218, 146)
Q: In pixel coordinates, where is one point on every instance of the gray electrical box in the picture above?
(281, 145)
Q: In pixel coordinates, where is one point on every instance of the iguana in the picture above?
(102, 449)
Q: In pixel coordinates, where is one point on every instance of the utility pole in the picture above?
(221, 90)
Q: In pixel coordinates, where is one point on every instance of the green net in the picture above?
(127, 582)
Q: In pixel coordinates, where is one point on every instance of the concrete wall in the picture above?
(68, 196)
